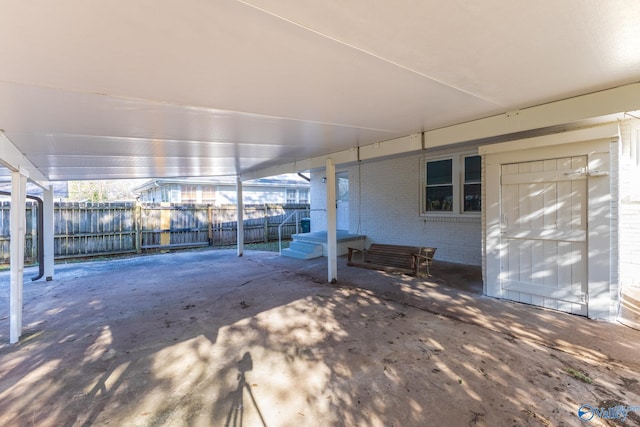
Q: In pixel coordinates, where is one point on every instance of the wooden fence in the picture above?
(91, 229)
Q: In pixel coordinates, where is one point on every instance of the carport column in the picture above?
(332, 257)
(48, 232)
(240, 205)
(18, 225)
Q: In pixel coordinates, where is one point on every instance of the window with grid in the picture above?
(303, 196)
(452, 185)
(471, 187)
(439, 186)
(208, 194)
(292, 195)
(189, 194)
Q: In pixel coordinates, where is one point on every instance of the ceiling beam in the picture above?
(376, 150)
(610, 104)
(597, 104)
(339, 157)
(14, 160)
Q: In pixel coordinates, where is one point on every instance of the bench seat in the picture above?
(393, 258)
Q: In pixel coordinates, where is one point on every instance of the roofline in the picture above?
(251, 183)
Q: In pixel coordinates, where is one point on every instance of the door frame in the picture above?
(595, 143)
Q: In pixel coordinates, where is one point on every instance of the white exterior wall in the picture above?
(385, 205)
(251, 195)
(318, 200)
(629, 206)
(225, 194)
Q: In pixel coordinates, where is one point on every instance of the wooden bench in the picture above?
(393, 258)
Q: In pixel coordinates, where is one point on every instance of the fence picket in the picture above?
(89, 229)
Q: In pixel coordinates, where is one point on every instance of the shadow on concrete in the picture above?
(189, 338)
(235, 417)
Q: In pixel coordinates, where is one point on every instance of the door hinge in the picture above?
(584, 299)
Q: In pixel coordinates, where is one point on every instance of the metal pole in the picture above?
(332, 245)
(240, 214)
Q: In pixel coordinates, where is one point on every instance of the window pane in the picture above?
(440, 198)
(472, 169)
(291, 195)
(304, 196)
(188, 194)
(439, 172)
(342, 189)
(472, 198)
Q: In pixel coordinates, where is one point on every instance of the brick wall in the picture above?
(629, 205)
(614, 239)
(318, 200)
(385, 205)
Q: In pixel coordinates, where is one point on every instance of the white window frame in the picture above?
(303, 195)
(292, 191)
(463, 182)
(175, 195)
(457, 166)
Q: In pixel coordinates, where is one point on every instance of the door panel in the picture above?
(543, 233)
(342, 201)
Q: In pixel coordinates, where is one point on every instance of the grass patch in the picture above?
(579, 375)
(269, 247)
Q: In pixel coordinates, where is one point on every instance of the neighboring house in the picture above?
(60, 188)
(552, 215)
(289, 188)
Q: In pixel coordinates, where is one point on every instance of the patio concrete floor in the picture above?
(204, 338)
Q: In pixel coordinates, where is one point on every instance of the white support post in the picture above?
(240, 205)
(48, 233)
(18, 219)
(332, 245)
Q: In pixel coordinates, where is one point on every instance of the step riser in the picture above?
(306, 247)
(303, 250)
(300, 255)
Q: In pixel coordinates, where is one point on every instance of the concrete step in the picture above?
(303, 250)
(306, 247)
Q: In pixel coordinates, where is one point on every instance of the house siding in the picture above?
(223, 194)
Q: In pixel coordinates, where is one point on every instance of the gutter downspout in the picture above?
(306, 178)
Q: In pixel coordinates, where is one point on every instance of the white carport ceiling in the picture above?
(122, 89)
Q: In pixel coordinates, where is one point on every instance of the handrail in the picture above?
(296, 212)
(40, 233)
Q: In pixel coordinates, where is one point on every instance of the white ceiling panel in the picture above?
(225, 87)
(515, 54)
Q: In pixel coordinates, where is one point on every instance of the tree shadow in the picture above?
(168, 341)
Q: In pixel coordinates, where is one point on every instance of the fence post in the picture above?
(165, 224)
(137, 219)
(266, 223)
(210, 224)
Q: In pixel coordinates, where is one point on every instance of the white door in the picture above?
(544, 233)
(342, 201)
